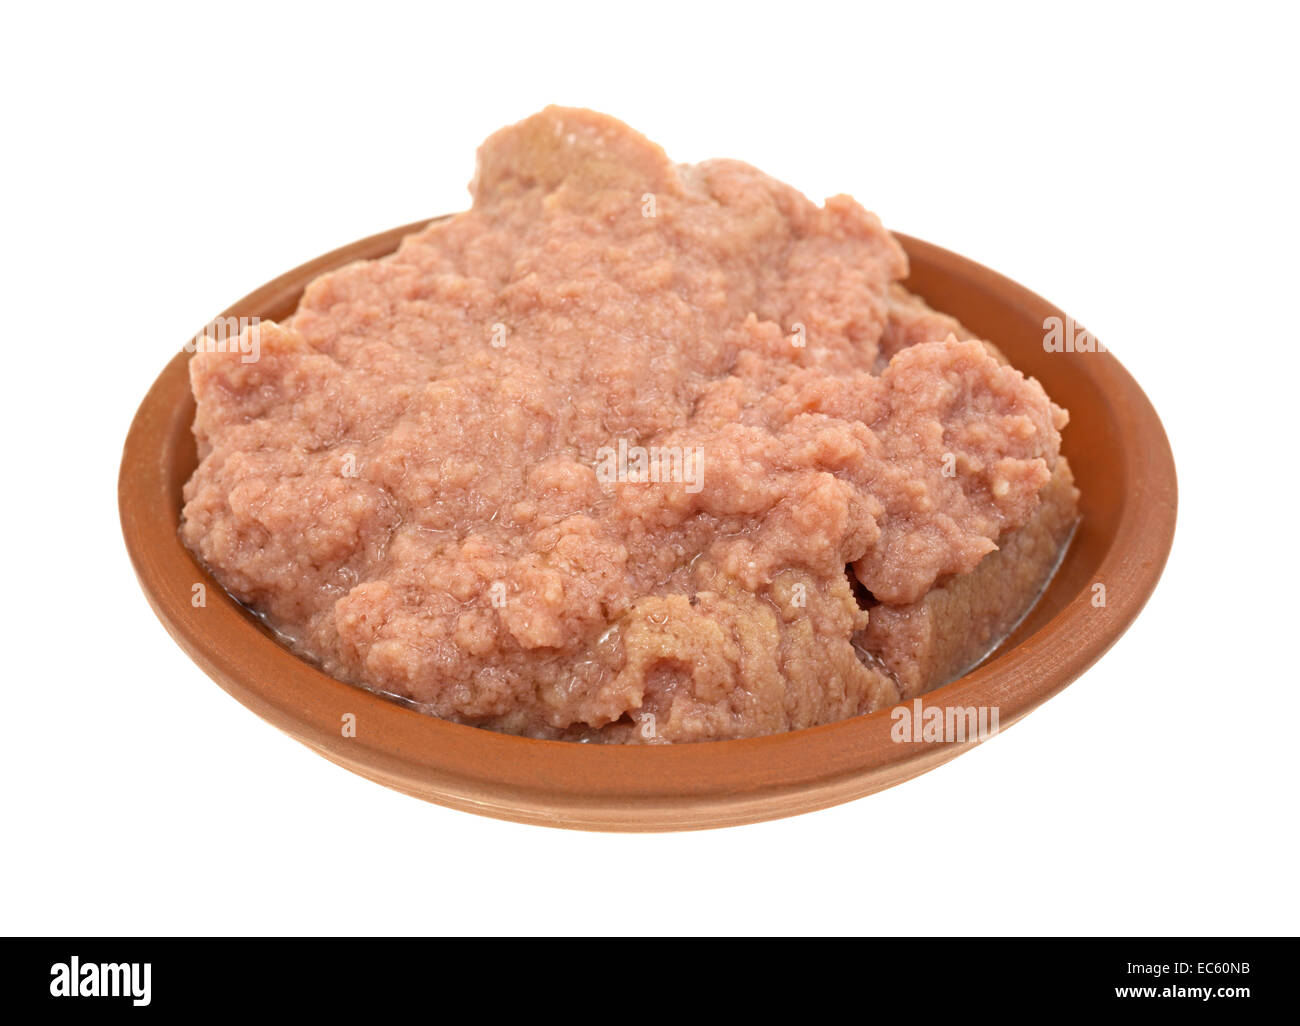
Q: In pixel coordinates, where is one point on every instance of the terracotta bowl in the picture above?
(1122, 463)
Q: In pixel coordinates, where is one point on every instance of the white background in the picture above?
(1135, 164)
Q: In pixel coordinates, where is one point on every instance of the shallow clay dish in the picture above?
(1122, 464)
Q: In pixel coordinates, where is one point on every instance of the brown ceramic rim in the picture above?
(1123, 464)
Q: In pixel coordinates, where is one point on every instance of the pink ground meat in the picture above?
(428, 481)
